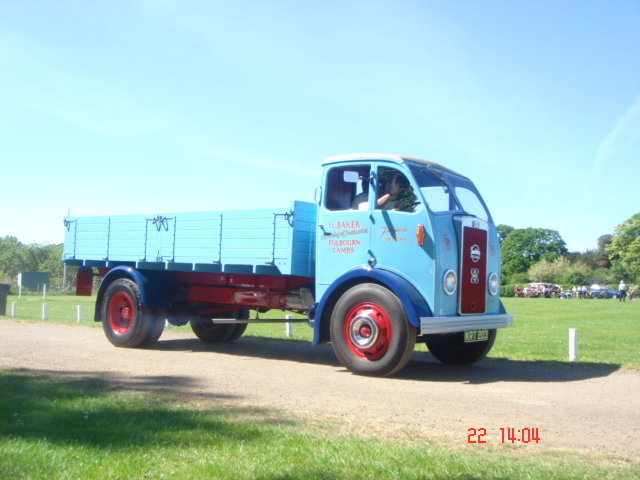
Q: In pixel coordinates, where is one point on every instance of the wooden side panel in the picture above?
(270, 241)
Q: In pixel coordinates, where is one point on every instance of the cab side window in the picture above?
(394, 191)
(347, 189)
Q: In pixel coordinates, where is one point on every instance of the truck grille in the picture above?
(473, 271)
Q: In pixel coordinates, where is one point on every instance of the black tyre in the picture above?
(370, 331)
(451, 349)
(210, 332)
(156, 332)
(125, 322)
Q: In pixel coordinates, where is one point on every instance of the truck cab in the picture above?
(404, 231)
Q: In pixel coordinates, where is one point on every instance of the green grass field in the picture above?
(56, 426)
(608, 330)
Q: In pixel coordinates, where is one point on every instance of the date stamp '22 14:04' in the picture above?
(509, 435)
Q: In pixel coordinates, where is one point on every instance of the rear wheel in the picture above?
(210, 332)
(451, 348)
(125, 322)
(370, 331)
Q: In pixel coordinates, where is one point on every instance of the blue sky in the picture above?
(158, 106)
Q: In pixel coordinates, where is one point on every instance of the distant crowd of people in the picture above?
(580, 292)
(576, 292)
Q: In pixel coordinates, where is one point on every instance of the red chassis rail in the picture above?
(263, 292)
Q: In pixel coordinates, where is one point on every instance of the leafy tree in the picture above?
(550, 272)
(503, 232)
(13, 256)
(624, 249)
(588, 257)
(579, 273)
(602, 258)
(16, 257)
(524, 247)
(49, 259)
(603, 241)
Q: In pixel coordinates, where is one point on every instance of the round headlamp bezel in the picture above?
(493, 284)
(450, 282)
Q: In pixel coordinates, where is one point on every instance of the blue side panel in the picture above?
(264, 241)
(304, 239)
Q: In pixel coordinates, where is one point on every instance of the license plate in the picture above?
(476, 336)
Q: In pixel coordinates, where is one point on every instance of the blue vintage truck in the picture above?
(393, 251)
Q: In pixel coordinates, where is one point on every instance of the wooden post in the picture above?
(573, 344)
(289, 326)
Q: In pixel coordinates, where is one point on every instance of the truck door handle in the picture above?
(321, 225)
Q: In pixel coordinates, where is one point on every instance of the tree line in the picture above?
(541, 255)
(16, 257)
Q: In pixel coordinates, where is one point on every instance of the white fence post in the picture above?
(44, 291)
(45, 312)
(14, 309)
(79, 313)
(289, 326)
(573, 344)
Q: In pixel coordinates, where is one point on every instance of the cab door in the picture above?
(343, 234)
(399, 224)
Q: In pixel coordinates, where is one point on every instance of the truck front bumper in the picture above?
(463, 323)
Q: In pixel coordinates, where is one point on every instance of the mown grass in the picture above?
(66, 427)
(608, 330)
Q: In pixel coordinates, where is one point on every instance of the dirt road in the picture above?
(573, 406)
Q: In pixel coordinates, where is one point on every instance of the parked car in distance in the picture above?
(598, 291)
(540, 289)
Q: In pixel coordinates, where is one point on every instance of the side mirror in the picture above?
(351, 177)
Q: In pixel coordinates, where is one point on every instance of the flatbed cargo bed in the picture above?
(260, 241)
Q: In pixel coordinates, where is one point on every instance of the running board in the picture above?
(259, 320)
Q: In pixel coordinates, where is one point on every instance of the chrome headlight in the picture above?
(450, 282)
(494, 284)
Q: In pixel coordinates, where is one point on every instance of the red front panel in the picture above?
(473, 272)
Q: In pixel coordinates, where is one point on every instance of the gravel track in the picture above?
(574, 406)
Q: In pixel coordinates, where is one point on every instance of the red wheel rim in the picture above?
(367, 331)
(121, 313)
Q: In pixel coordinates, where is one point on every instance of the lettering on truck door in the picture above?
(343, 233)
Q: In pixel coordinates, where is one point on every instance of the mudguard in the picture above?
(413, 302)
(154, 292)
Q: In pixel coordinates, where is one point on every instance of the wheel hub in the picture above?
(367, 331)
(363, 331)
(120, 313)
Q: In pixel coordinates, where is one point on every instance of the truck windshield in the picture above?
(445, 192)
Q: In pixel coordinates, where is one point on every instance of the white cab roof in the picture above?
(386, 156)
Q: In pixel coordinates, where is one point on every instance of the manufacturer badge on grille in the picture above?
(475, 253)
(475, 276)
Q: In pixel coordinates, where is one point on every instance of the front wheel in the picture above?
(450, 348)
(125, 322)
(370, 331)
